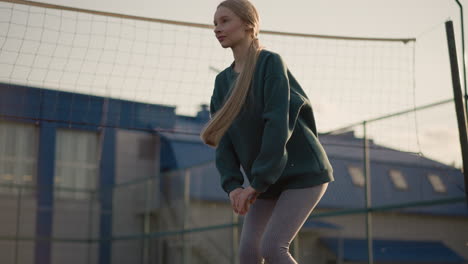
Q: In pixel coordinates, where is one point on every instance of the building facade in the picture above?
(86, 179)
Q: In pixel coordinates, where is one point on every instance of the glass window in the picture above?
(398, 179)
(357, 176)
(76, 164)
(18, 157)
(436, 183)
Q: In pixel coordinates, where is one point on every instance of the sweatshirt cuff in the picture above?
(231, 186)
(259, 186)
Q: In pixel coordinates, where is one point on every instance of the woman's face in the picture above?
(229, 29)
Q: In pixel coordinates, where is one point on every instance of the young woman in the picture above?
(263, 121)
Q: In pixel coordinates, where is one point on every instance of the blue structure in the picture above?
(345, 150)
(394, 251)
(52, 110)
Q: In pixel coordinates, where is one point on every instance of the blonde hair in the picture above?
(223, 118)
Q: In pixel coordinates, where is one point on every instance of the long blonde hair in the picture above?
(223, 118)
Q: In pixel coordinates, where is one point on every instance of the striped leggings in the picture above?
(271, 225)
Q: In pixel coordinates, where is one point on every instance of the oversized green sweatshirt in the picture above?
(274, 138)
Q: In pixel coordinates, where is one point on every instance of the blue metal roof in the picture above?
(346, 150)
(401, 251)
(185, 150)
(314, 224)
(188, 150)
(180, 151)
(204, 186)
(81, 110)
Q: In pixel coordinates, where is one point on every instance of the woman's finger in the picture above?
(240, 202)
(233, 204)
(244, 204)
(236, 204)
(235, 198)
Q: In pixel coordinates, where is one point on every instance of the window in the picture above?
(436, 183)
(18, 158)
(398, 179)
(357, 175)
(76, 164)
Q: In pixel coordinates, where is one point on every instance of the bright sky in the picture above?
(421, 19)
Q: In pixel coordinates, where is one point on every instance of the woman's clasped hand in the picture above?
(241, 199)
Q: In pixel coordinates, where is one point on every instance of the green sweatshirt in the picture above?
(274, 138)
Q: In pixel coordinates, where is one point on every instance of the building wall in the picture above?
(17, 218)
(310, 249)
(214, 245)
(134, 160)
(18, 205)
(217, 244)
(208, 246)
(452, 231)
(137, 158)
(75, 220)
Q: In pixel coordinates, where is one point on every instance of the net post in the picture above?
(458, 98)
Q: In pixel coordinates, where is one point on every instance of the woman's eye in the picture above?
(222, 21)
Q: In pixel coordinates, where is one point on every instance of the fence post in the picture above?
(92, 198)
(367, 184)
(235, 238)
(147, 221)
(186, 247)
(18, 221)
(458, 98)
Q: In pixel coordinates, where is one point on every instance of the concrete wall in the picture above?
(215, 246)
(72, 220)
(75, 220)
(206, 247)
(17, 218)
(137, 157)
(452, 231)
(310, 249)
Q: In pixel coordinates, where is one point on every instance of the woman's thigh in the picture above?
(253, 227)
(291, 210)
(256, 219)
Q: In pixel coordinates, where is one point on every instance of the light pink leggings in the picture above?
(271, 225)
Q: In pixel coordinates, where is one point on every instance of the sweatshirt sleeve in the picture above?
(272, 158)
(227, 161)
